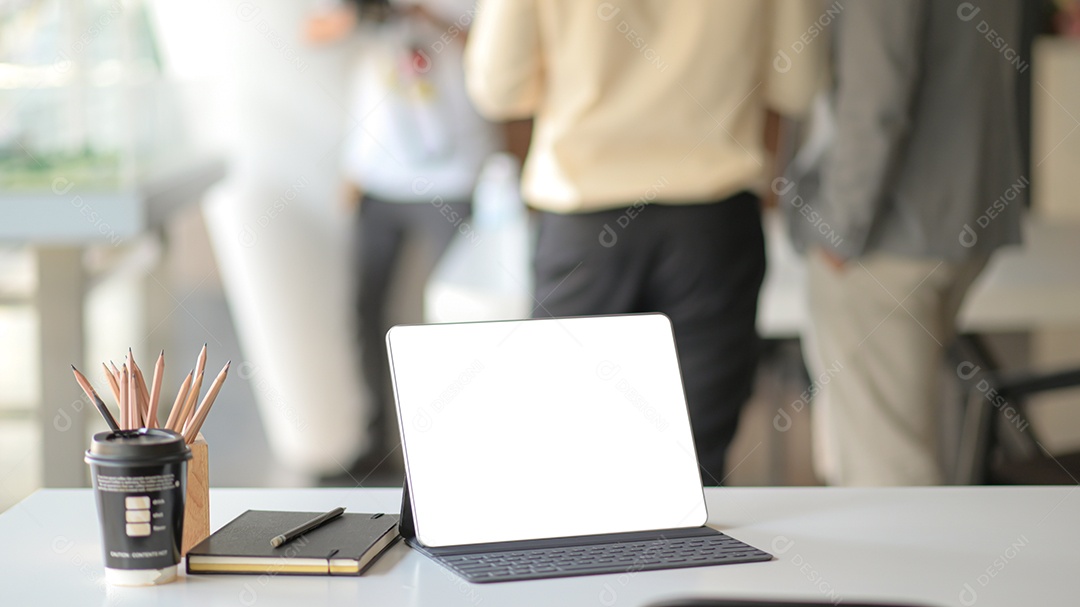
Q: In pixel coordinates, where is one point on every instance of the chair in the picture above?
(998, 445)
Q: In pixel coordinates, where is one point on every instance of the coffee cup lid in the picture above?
(145, 445)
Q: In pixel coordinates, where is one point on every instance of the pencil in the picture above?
(93, 395)
(119, 377)
(314, 523)
(125, 416)
(115, 387)
(144, 396)
(155, 391)
(189, 404)
(132, 392)
(178, 404)
(193, 396)
(193, 427)
(143, 400)
(200, 363)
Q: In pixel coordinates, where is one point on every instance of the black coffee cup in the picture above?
(140, 484)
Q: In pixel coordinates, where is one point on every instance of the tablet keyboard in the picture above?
(616, 557)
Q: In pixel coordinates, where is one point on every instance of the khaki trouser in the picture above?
(875, 350)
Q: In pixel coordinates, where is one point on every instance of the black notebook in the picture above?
(344, 546)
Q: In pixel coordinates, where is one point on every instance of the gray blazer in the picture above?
(924, 157)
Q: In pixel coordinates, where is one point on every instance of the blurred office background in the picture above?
(169, 178)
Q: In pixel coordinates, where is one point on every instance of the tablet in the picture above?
(546, 428)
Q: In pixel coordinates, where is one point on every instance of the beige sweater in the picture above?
(643, 100)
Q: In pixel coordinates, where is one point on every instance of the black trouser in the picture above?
(385, 227)
(700, 264)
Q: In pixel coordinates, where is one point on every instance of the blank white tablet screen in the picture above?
(544, 428)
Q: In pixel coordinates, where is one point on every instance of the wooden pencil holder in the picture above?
(197, 508)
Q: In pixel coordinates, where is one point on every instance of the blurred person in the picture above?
(414, 157)
(919, 181)
(646, 161)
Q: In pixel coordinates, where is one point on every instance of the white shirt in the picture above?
(415, 134)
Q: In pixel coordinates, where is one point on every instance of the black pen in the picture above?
(314, 523)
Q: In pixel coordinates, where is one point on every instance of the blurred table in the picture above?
(1032, 286)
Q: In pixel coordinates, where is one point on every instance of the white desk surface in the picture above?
(985, 546)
